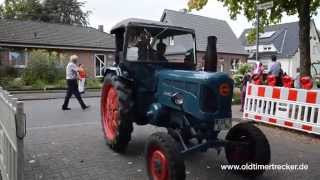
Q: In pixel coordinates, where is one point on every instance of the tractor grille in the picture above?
(208, 100)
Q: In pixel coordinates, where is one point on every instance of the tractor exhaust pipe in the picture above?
(211, 57)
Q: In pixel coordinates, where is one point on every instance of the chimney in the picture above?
(184, 10)
(100, 28)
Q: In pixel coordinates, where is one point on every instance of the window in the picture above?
(266, 34)
(315, 69)
(110, 60)
(18, 59)
(171, 41)
(267, 48)
(221, 64)
(234, 64)
(160, 45)
(221, 67)
(100, 64)
(316, 49)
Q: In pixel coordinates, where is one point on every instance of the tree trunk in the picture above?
(304, 36)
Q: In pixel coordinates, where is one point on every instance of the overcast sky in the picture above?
(109, 12)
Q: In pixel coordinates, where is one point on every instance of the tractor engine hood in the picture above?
(204, 95)
(193, 76)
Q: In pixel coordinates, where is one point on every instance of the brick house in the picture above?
(94, 47)
(230, 51)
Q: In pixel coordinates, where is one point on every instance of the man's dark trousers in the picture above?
(72, 89)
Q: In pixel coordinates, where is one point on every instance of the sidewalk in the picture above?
(52, 94)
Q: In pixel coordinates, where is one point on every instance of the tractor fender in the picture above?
(112, 70)
(117, 72)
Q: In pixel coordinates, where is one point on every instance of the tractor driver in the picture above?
(161, 50)
(144, 46)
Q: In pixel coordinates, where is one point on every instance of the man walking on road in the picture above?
(71, 77)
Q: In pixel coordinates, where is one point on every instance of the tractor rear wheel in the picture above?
(255, 148)
(116, 106)
(164, 161)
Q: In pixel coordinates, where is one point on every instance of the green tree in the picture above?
(304, 8)
(239, 74)
(21, 9)
(53, 11)
(65, 12)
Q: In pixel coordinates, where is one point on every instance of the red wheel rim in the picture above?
(158, 165)
(110, 112)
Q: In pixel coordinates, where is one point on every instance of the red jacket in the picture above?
(82, 73)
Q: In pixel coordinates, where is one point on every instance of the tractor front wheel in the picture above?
(249, 146)
(116, 106)
(164, 161)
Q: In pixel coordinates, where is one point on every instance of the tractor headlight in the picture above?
(177, 98)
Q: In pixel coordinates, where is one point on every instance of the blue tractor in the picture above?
(155, 81)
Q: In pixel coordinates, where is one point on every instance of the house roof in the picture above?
(40, 34)
(285, 38)
(204, 27)
(145, 22)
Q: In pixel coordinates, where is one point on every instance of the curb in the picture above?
(47, 91)
(51, 98)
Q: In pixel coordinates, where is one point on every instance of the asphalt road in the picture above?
(69, 145)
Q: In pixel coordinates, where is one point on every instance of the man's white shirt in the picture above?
(71, 71)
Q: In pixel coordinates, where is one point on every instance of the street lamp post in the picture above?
(257, 36)
(259, 7)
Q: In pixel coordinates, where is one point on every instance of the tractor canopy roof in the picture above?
(134, 22)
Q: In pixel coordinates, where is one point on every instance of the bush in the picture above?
(8, 71)
(237, 80)
(43, 68)
(236, 99)
(4, 81)
(93, 83)
(61, 84)
(239, 74)
(39, 84)
(16, 83)
(12, 83)
(244, 69)
(317, 83)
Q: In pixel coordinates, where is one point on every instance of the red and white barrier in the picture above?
(292, 108)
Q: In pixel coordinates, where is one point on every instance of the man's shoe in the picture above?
(66, 109)
(85, 107)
